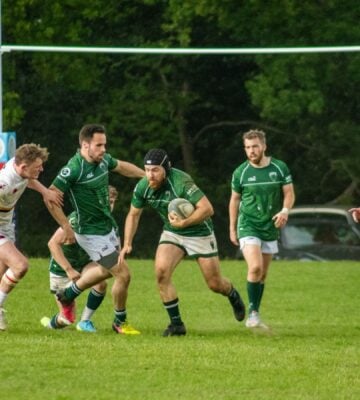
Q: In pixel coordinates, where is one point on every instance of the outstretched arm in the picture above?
(131, 226)
(128, 169)
(59, 216)
(50, 196)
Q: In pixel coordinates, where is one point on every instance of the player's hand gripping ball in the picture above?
(181, 207)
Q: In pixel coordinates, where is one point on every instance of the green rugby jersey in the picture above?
(77, 257)
(87, 186)
(178, 184)
(261, 197)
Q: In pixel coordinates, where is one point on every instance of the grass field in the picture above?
(313, 351)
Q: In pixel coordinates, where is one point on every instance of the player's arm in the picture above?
(55, 246)
(280, 219)
(234, 205)
(59, 216)
(355, 213)
(50, 196)
(128, 169)
(131, 226)
(203, 210)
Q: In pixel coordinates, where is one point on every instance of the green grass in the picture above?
(313, 351)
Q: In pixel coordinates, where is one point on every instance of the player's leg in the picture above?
(210, 268)
(3, 269)
(119, 293)
(88, 279)
(268, 249)
(267, 258)
(251, 248)
(95, 298)
(66, 315)
(17, 265)
(167, 258)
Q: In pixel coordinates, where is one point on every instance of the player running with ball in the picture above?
(192, 236)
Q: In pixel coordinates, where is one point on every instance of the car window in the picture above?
(311, 229)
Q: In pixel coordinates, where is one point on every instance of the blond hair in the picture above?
(255, 134)
(30, 152)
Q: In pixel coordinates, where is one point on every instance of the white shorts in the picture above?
(7, 233)
(58, 282)
(270, 247)
(99, 246)
(193, 246)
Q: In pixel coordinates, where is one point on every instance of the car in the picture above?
(320, 233)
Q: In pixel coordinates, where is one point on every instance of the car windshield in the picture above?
(319, 229)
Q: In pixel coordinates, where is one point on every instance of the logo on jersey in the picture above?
(65, 172)
(273, 176)
(192, 190)
(90, 175)
(252, 179)
(102, 165)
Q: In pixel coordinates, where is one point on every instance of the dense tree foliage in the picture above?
(196, 107)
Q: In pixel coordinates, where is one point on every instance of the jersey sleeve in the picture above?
(66, 177)
(235, 182)
(111, 161)
(286, 175)
(191, 191)
(138, 197)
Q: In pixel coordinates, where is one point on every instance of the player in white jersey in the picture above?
(19, 173)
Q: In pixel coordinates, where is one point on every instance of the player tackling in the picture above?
(19, 173)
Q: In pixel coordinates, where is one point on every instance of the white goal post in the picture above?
(6, 48)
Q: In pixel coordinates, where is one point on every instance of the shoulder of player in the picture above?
(141, 185)
(279, 163)
(73, 167)
(178, 174)
(239, 169)
(109, 158)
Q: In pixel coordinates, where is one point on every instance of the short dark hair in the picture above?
(87, 132)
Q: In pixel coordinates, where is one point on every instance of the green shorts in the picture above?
(193, 246)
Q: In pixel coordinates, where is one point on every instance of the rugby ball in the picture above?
(181, 207)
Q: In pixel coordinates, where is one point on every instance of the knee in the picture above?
(255, 271)
(122, 273)
(162, 275)
(21, 269)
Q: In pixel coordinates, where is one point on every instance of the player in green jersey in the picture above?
(262, 195)
(85, 178)
(67, 263)
(193, 236)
